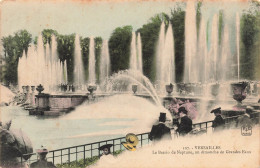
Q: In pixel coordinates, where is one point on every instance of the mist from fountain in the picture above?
(92, 62)
(104, 61)
(79, 77)
(190, 66)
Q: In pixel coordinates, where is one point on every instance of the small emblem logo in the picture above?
(246, 130)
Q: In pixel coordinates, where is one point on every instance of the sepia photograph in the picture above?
(129, 83)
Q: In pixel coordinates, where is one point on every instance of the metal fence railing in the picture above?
(82, 152)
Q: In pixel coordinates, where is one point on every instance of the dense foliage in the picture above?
(119, 48)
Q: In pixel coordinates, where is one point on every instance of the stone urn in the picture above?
(239, 91)
(40, 89)
(215, 89)
(169, 88)
(27, 88)
(134, 88)
(24, 89)
(92, 88)
(33, 88)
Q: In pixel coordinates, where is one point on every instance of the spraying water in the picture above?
(39, 67)
(133, 55)
(127, 77)
(104, 61)
(203, 53)
(159, 51)
(78, 64)
(190, 66)
(139, 54)
(92, 62)
(237, 41)
(165, 66)
(214, 49)
(168, 59)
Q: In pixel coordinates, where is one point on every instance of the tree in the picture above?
(47, 33)
(250, 29)
(119, 48)
(13, 49)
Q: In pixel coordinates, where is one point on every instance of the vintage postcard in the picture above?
(129, 83)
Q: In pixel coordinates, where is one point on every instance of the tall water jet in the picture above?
(40, 61)
(54, 58)
(92, 62)
(65, 73)
(54, 53)
(203, 53)
(225, 53)
(237, 42)
(214, 49)
(159, 51)
(139, 53)
(168, 59)
(104, 61)
(22, 70)
(78, 64)
(47, 67)
(133, 55)
(190, 70)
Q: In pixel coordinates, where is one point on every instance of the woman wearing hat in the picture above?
(185, 125)
(105, 149)
(218, 122)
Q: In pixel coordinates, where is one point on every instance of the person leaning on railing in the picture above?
(42, 162)
(160, 131)
(185, 125)
(218, 122)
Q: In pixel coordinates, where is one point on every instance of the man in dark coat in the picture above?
(185, 125)
(218, 122)
(42, 162)
(244, 119)
(160, 131)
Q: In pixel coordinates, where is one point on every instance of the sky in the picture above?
(89, 18)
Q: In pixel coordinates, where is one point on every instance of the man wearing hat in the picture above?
(161, 130)
(185, 125)
(42, 162)
(218, 122)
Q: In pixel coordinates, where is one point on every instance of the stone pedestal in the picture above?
(42, 101)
